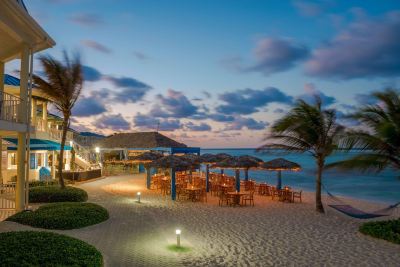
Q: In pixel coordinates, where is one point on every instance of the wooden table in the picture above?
(192, 192)
(236, 197)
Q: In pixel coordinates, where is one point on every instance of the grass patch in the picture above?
(387, 230)
(175, 248)
(29, 248)
(62, 216)
(48, 194)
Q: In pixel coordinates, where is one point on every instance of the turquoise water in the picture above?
(382, 187)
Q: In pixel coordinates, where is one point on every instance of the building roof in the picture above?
(138, 140)
(91, 134)
(11, 80)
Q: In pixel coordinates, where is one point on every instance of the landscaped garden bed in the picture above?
(387, 230)
(47, 194)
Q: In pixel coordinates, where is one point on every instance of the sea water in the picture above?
(380, 187)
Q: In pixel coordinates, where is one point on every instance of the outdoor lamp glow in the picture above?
(138, 196)
(71, 143)
(178, 237)
(97, 149)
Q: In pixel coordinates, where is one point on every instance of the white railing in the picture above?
(9, 107)
(7, 196)
(53, 133)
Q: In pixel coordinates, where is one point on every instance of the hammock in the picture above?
(357, 213)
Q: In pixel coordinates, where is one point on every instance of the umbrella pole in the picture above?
(173, 184)
(279, 185)
(237, 179)
(148, 177)
(222, 171)
(246, 174)
(207, 177)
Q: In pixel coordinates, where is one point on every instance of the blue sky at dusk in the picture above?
(218, 73)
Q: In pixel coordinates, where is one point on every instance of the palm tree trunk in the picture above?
(60, 163)
(318, 201)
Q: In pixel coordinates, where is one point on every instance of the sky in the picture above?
(219, 73)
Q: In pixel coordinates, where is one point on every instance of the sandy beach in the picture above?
(270, 234)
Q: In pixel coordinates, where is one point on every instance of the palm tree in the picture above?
(307, 128)
(63, 84)
(380, 139)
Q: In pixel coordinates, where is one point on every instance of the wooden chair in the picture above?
(297, 195)
(248, 198)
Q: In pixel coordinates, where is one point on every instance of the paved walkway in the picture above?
(270, 234)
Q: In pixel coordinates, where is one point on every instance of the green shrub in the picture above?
(47, 194)
(62, 216)
(28, 248)
(43, 183)
(387, 230)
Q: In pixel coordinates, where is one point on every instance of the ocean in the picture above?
(379, 187)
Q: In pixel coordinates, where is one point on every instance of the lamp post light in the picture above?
(178, 237)
(138, 197)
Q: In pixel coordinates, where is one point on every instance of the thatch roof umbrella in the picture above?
(208, 159)
(279, 165)
(146, 158)
(236, 163)
(222, 157)
(249, 162)
(174, 163)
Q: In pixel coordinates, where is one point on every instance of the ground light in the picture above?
(178, 237)
(138, 196)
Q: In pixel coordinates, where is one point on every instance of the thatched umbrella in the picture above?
(174, 163)
(208, 159)
(236, 163)
(279, 165)
(146, 158)
(249, 162)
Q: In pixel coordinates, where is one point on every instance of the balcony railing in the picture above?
(9, 107)
(53, 133)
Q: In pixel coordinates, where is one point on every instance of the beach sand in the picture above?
(270, 234)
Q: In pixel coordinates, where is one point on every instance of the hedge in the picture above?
(387, 230)
(62, 216)
(47, 194)
(29, 248)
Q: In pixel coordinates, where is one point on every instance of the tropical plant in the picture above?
(63, 84)
(378, 136)
(307, 128)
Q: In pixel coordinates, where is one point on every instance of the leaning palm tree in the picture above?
(307, 128)
(380, 138)
(62, 82)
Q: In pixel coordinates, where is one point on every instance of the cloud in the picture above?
(114, 122)
(241, 122)
(140, 55)
(365, 99)
(207, 94)
(91, 74)
(174, 105)
(88, 106)
(221, 117)
(86, 19)
(279, 110)
(96, 46)
(311, 8)
(367, 48)
(129, 90)
(311, 92)
(248, 101)
(201, 127)
(149, 122)
(276, 55)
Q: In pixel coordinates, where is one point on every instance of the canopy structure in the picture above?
(147, 158)
(174, 163)
(279, 165)
(37, 144)
(242, 162)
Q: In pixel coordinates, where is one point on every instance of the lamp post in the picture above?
(178, 237)
(138, 197)
(97, 150)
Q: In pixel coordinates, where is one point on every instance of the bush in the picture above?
(43, 183)
(47, 194)
(28, 248)
(62, 216)
(387, 230)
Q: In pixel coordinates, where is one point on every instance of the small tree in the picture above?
(307, 128)
(63, 84)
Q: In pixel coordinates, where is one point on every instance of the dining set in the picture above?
(285, 194)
